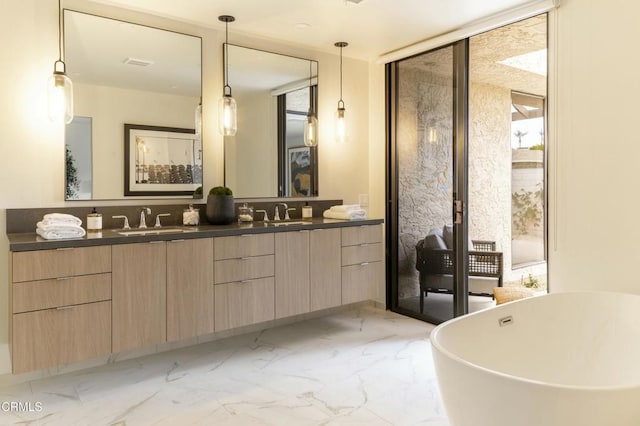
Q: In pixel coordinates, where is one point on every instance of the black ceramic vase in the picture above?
(220, 209)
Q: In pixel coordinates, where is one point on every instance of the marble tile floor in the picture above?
(364, 366)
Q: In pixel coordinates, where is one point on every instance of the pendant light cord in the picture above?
(226, 55)
(60, 60)
(341, 74)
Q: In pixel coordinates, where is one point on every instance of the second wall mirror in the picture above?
(267, 156)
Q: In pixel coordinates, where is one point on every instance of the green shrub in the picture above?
(220, 190)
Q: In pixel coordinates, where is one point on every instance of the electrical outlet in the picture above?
(363, 200)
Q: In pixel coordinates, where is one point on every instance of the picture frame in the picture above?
(161, 161)
(300, 170)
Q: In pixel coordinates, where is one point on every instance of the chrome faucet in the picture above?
(143, 222)
(266, 215)
(276, 214)
(158, 224)
(126, 221)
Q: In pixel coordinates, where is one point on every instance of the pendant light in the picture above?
(341, 131)
(227, 108)
(311, 125)
(60, 88)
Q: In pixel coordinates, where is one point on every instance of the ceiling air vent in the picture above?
(353, 1)
(138, 62)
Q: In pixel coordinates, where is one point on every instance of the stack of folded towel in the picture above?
(346, 211)
(56, 226)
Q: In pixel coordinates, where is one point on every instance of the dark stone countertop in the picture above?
(32, 241)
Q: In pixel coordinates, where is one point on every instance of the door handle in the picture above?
(457, 212)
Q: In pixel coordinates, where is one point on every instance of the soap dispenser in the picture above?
(94, 221)
(307, 211)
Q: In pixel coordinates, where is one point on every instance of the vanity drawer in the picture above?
(360, 282)
(52, 337)
(45, 294)
(245, 245)
(366, 234)
(244, 268)
(45, 264)
(367, 252)
(243, 303)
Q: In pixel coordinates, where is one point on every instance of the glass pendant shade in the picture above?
(341, 128)
(311, 130)
(60, 98)
(198, 121)
(227, 120)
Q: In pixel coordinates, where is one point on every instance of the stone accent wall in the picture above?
(425, 175)
(425, 168)
(490, 166)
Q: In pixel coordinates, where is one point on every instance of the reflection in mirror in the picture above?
(267, 157)
(78, 163)
(123, 73)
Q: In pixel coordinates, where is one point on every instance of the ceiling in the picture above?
(372, 27)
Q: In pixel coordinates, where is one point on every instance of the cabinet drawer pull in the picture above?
(245, 258)
(364, 244)
(247, 235)
(63, 278)
(304, 231)
(176, 241)
(64, 308)
(65, 248)
(364, 263)
(246, 281)
(156, 242)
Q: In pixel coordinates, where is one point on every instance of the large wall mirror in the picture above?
(267, 156)
(145, 78)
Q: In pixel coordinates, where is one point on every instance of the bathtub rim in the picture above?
(436, 345)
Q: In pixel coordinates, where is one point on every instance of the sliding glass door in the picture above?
(426, 151)
(466, 188)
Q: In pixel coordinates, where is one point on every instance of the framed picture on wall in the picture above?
(161, 160)
(299, 171)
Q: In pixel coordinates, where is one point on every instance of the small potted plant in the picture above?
(220, 206)
(198, 192)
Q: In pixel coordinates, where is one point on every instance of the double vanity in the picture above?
(78, 299)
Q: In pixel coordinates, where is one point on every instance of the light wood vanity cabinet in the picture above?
(292, 273)
(244, 280)
(362, 262)
(189, 288)
(67, 305)
(60, 306)
(325, 281)
(139, 283)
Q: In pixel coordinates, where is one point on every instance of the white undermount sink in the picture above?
(150, 231)
(293, 222)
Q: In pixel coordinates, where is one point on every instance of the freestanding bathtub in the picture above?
(563, 359)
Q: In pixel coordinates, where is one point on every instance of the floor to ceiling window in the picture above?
(463, 210)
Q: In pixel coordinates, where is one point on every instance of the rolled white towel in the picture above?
(345, 208)
(60, 218)
(350, 215)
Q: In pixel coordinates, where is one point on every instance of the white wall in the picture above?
(594, 233)
(32, 149)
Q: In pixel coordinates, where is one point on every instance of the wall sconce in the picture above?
(432, 134)
(227, 108)
(59, 86)
(311, 125)
(341, 130)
